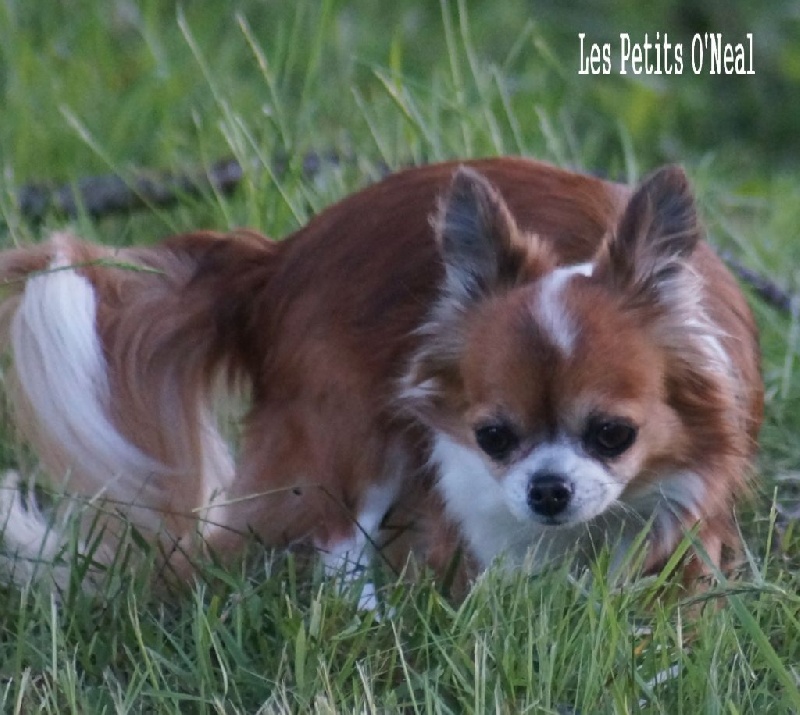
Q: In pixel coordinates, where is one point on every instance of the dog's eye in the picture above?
(497, 440)
(609, 438)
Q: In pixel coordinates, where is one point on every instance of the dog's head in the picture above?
(574, 388)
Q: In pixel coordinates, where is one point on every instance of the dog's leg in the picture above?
(346, 562)
(347, 558)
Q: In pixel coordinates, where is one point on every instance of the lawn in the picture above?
(314, 99)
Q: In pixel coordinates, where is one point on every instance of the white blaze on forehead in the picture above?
(549, 310)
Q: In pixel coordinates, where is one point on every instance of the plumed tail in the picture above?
(115, 360)
(60, 365)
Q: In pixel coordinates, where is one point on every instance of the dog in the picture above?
(484, 360)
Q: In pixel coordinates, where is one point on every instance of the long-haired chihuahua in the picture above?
(495, 356)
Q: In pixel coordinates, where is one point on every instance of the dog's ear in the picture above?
(655, 236)
(477, 236)
(647, 262)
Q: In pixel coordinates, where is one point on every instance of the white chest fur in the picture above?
(476, 501)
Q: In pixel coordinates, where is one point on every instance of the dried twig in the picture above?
(766, 289)
(109, 194)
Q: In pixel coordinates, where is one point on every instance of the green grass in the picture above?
(95, 87)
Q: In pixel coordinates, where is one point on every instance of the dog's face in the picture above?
(564, 410)
(565, 384)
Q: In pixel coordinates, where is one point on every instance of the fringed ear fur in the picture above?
(656, 235)
(478, 238)
(647, 262)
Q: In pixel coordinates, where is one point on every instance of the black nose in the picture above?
(549, 494)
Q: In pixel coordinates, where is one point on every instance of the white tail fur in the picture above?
(61, 375)
(64, 401)
(60, 367)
